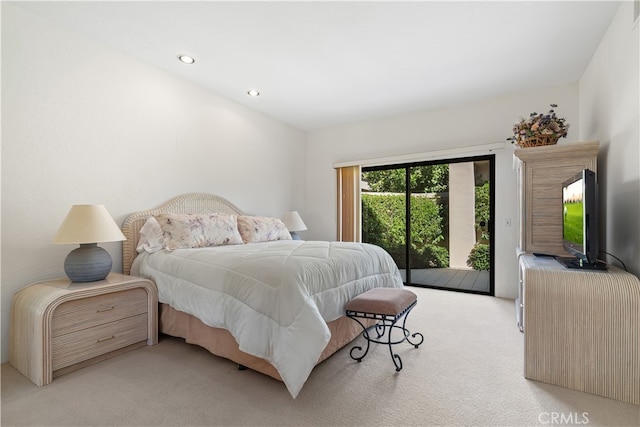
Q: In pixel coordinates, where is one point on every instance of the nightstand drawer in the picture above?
(78, 346)
(85, 313)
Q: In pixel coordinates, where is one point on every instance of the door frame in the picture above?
(490, 226)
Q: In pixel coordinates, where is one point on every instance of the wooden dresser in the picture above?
(582, 328)
(58, 326)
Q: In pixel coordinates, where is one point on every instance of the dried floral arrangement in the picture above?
(539, 129)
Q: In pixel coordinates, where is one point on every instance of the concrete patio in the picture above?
(450, 278)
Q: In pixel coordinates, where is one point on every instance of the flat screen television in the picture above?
(580, 233)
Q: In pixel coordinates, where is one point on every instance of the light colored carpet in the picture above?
(467, 372)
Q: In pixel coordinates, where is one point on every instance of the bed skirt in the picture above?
(221, 343)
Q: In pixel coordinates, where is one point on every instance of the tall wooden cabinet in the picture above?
(541, 172)
(580, 327)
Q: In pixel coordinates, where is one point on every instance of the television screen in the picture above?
(580, 234)
(573, 215)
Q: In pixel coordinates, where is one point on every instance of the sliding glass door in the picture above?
(435, 219)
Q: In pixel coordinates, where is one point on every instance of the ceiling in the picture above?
(319, 64)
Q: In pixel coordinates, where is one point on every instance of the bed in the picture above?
(273, 305)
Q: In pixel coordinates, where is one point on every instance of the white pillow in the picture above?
(150, 237)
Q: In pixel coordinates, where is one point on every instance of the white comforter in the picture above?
(275, 297)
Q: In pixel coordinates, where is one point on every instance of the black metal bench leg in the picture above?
(365, 334)
(396, 359)
(407, 333)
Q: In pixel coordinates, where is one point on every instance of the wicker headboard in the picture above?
(192, 203)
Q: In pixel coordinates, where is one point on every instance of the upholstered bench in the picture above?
(388, 306)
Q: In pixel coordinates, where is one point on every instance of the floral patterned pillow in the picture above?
(183, 231)
(254, 229)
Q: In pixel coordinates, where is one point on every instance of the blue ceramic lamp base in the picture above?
(88, 263)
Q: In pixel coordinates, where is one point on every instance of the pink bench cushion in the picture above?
(389, 301)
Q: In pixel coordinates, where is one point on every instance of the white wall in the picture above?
(480, 123)
(610, 112)
(83, 123)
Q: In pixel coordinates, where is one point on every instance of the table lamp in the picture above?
(87, 225)
(294, 223)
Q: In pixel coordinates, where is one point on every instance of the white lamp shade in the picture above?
(293, 221)
(88, 224)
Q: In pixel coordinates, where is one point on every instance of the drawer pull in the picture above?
(102, 310)
(106, 338)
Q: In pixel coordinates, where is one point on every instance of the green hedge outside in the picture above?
(383, 223)
(479, 257)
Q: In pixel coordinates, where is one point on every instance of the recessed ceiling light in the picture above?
(253, 92)
(186, 59)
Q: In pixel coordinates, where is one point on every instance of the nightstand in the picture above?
(58, 326)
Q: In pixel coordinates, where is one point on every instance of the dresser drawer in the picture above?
(79, 346)
(85, 313)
